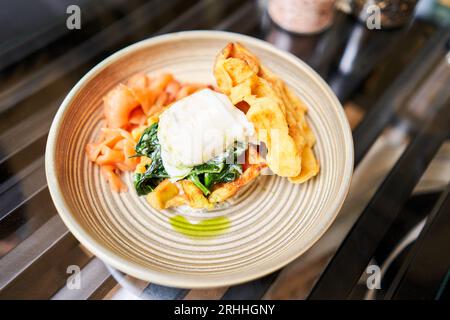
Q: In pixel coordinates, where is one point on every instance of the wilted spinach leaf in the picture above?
(148, 141)
(148, 145)
(221, 169)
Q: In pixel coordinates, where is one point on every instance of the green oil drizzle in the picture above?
(206, 228)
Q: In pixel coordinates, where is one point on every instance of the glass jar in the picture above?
(302, 16)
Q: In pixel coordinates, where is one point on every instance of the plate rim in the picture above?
(158, 277)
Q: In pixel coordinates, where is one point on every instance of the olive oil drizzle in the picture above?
(204, 229)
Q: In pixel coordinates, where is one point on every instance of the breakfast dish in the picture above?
(198, 145)
(269, 216)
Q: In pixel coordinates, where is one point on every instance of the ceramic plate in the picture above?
(269, 224)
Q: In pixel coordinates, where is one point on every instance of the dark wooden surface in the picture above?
(377, 75)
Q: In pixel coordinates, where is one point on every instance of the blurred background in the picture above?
(387, 61)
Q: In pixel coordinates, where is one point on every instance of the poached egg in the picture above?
(198, 128)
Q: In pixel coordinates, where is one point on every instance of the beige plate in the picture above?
(272, 221)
